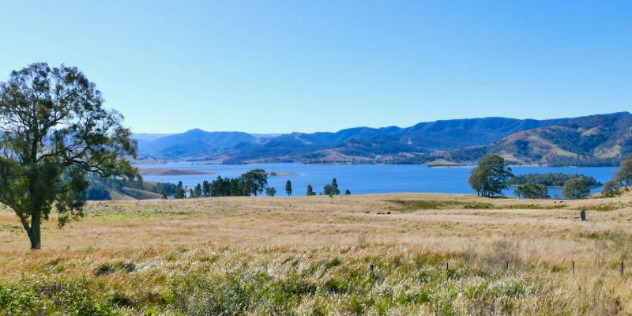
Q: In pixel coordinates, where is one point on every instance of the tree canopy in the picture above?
(271, 191)
(491, 176)
(551, 179)
(331, 189)
(576, 189)
(532, 191)
(55, 131)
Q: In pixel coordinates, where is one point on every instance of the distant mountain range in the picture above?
(590, 140)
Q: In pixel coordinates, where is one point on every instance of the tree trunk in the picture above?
(35, 235)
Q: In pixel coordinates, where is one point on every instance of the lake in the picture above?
(363, 179)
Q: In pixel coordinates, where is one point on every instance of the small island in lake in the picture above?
(169, 172)
(281, 174)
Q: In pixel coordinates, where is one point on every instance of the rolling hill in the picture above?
(589, 140)
(194, 141)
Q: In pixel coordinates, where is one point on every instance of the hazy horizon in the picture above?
(277, 67)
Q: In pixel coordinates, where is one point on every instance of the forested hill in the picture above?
(589, 140)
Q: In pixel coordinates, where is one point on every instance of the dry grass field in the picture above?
(394, 254)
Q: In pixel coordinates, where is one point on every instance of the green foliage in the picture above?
(573, 140)
(166, 189)
(491, 176)
(413, 205)
(576, 189)
(310, 190)
(532, 191)
(180, 191)
(109, 268)
(602, 207)
(331, 189)
(135, 189)
(197, 191)
(551, 179)
(611, 189)
(55, 131)
(252, 182)
(359, 282)
(63, 297)
(288, 187)
(206, 188)
(98, 193)
(270, 191)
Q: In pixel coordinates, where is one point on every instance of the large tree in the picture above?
(576, 189)
(490, 177)
(54, 131)
(254, 182)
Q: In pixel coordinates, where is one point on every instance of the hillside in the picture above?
(191, 142)
(590, 140)
(594, 140)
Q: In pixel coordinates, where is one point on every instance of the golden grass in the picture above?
(166, 239)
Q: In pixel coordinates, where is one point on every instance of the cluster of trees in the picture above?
(535, 186)
(330, 189)
(551, 179)
(253, 182)
(493, 175)
(56, 133)
(532, 190)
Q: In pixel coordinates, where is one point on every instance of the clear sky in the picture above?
(282, 66)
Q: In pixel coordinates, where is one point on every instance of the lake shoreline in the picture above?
(364, 179)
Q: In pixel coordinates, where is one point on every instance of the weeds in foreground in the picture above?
(372, 279)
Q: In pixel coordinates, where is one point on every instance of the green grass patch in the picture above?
(141, 194)
(532, 207)
(414, 205)
(602, 207)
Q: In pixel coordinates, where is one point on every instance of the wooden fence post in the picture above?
(573, 267)
(621, 268)
(582, 214)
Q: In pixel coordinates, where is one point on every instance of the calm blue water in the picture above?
(364, 179)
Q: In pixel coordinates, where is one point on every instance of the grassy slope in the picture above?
(141, 194)
(314, 256)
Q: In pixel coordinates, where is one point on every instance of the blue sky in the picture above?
(282, 66)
